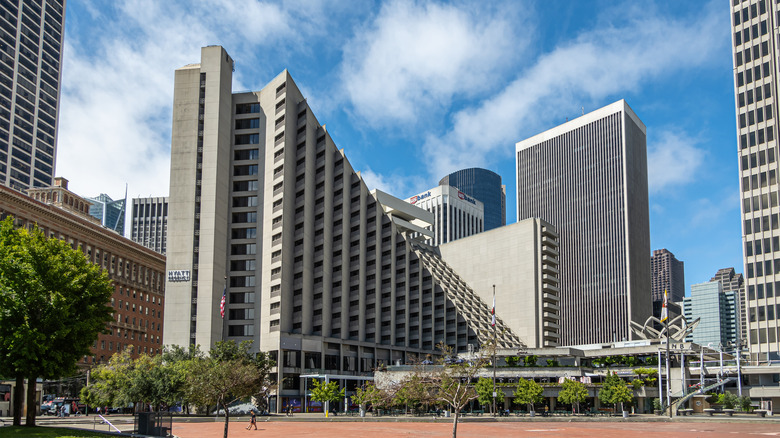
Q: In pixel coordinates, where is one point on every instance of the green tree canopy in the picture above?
(573, 392)
(528, 392)
(484, 389)
(326, 392)
(53, 305)
(230, 373)
(615, 391)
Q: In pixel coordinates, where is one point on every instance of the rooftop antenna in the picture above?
(583, 110)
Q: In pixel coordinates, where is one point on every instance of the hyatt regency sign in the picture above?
(178, 276)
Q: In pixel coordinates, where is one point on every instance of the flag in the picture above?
(664, 308)
(222, 304)
(493, 311)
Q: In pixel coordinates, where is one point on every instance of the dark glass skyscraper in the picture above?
(486, 187)
(31, 35)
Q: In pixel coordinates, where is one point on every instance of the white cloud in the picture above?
(672, 160)
(607, 62)
(116, 105)
(397, 185)
(415, 57)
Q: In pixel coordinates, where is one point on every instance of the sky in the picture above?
(414, 90)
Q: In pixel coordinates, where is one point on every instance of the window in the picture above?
(245, 170)
(247, 154)
(247, 139)
(247, 108)
(244, 186)
(247, 123)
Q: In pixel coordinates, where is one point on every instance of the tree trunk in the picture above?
(227, 419)
(32, 407)
(18, 400)
(455, 423)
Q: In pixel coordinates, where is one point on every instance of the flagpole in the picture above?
(495, 347)
(223, 305)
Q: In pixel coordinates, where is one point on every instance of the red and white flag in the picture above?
(222, 304)
(493, 311)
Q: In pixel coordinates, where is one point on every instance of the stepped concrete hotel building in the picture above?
(588, 178)
(455, 214)
(754, 41)
(315, 268)
(31, 40)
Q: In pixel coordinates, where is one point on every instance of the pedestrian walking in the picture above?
(252, 421)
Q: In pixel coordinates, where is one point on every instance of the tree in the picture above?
(615, 391)
(326, 393)
(368, 394)
(53, 305)
(573, 392)
(484, 389)
(230, 373)
(528, 392)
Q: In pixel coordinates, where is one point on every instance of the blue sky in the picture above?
(413, 90)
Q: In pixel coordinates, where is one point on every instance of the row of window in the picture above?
(762, 245)
(758, 224)
(758, 314)
(754, 117)
(755, 9)
(759, 269)
(747, 98)
(757, 30)
(759, 180)
(755, 73)
(758, 159)
(753, 138)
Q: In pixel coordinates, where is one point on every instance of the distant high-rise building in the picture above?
(150, 222)
(718, 310)
(754, 41)
(110, 213)
(31, 40)
(733, 282)
(455, 214)
(485, 186)
(588, 178)
(668, 274)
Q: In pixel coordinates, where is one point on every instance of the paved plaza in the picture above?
(308, 425)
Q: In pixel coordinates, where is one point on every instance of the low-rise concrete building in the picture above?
(521, 261)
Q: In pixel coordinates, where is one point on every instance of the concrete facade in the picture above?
(588, 178)
(455, 214)
(32, 35)
(323, 274)
(754, 26)
(521, 260)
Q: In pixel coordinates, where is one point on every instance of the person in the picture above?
(546, 410)
(252, 421)
(289, 410)
(98, 410)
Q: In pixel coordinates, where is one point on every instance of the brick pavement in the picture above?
(603, 429)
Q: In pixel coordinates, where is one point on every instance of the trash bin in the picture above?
(145, 424)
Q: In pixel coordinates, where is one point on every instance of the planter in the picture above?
(657, 411)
